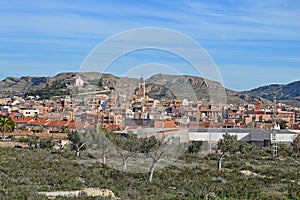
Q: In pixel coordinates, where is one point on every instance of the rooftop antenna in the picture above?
(273, 136)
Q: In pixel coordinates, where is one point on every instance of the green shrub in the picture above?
(46, 144)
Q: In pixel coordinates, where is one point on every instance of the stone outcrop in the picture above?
(88, 192)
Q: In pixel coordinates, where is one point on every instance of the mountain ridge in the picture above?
(286, 93)
(163, 86)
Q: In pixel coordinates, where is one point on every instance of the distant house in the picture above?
(55, 126)
(37, 125)
(30, 112)
(20, 120)
(79, 81)
(75, 81)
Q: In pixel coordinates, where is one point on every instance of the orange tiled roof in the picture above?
(21, 119)
(169, 124)
(56, 123)
(113, 127)
(71, 124)
(38, 121)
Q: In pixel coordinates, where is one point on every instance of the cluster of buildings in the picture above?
(137, 110)
(87, 109)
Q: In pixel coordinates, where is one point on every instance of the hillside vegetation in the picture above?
(24, 172)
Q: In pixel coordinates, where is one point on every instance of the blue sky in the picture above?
(252, 42)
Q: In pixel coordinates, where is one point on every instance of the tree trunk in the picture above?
(103, 159)
(220, 162)
(124, 165)
(78, 149)
(151, 173)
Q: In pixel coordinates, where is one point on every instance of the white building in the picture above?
(30, 112)
(79, 81)
(259, 137)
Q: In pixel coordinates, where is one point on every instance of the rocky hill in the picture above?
(24, 86)
(285, 93)
(190, 87)
(159, 86)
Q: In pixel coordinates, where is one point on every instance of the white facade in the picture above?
(129, 114)
(285, 137)
(214, 137)
(30, 112)
(79, 81)
(164, 134)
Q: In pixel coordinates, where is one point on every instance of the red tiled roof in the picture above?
(38, 121)
(56, 123)
(112, 127)
(21, 119)
(71, 124)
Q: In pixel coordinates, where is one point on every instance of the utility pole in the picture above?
(273, 136)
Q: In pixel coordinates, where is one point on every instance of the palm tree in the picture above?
(6, 125)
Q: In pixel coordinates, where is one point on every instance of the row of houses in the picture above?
(43, 125)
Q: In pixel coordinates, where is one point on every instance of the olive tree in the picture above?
(127, 147)
(227, 145)
(97, 140)
(77, 142)
(158, 150)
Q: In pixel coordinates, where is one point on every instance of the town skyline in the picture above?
(252, 43)
(150, 99)
(146, 76)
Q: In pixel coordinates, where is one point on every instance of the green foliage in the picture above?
(25, 172)
(194, 147)
(149, 144)
(296, 144)
(57, 88)
(285, 149)
(100, 84)
(248, 149)
(6, 125)
(282, 124)
(109, 134)
(75, 137)
(64, 129)
(11, 137)
(31, 140)
(48, 143)
(77, 140)
(129, 143)
(229, 143)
